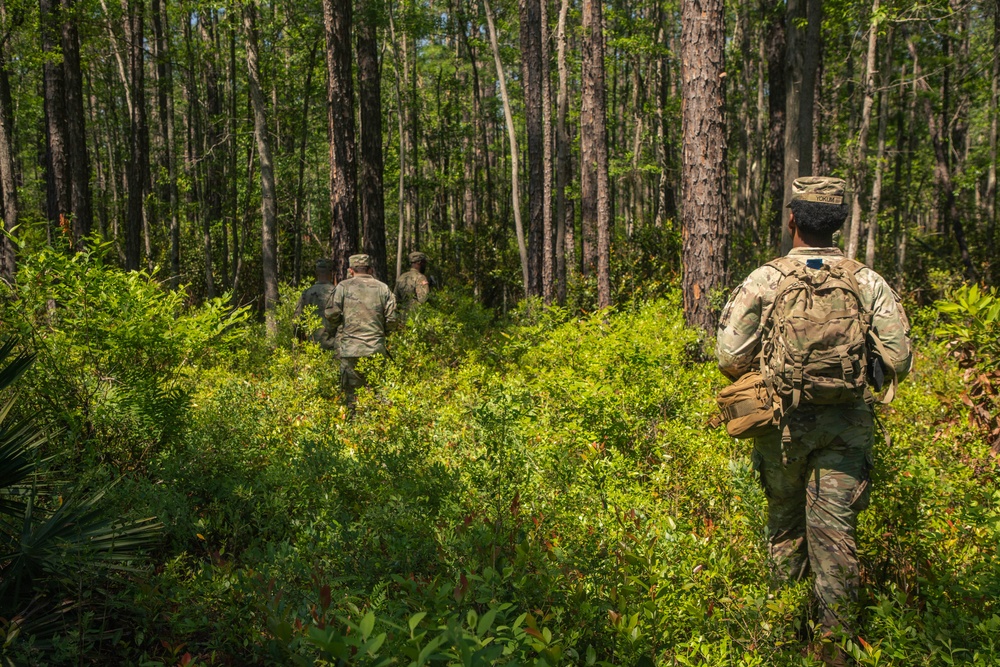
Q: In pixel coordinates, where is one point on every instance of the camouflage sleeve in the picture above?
(890, 323)
(391, 321)
(423, 289)
(334, 311)
(738, 337)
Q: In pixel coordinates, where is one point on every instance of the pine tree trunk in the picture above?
(563, 168)
(810, 70)
(776, 125)
(58, 178)
(883, 122)
(548, 229)
(268, 199)
(340, 117)
(8, 176)
(530, 13)
(165, 92)
(991, 176)
(595, 187)
(400, 117)
(138, 164)
(705, 209)
(860, 170)
(79, 159)
(512, 139)
(300, 187)
(794, 72)
(371, 164)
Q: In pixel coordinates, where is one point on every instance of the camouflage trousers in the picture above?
(350, 380)
(816, 485)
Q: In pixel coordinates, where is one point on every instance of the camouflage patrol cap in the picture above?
(359, 261)
(324, 264)
(819, 189)
(417, 256)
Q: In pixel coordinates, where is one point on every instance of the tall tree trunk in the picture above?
(79, 160)
(860, 156)
(268, 199)
(883, 122)
(515, 186)
(300, 203)
(340, 116)
(548, 229)
(595, 188)
(794, 73)
(811, 53)
(138, 164)
(991, 176)
(8, 177)
(58, 178)
(371, 163)
(165, 93)
(531, 65)
(705, 210)
(776, 122)
(401, 196)
(563, 168)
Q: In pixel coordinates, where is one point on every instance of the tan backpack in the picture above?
(817, 347)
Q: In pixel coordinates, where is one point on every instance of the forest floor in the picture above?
(540, 490)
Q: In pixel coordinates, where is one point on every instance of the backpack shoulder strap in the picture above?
(786, 266)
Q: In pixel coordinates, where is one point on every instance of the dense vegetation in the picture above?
(538, 489)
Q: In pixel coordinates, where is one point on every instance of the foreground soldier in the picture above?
(413, 287)
(367, 310)
(315, 298)
(815, 465)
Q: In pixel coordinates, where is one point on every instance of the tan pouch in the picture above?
(746, 408)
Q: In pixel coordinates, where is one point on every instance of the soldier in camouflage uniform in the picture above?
(315, 298)
(816, 490)
(413, 287)
(367, 310)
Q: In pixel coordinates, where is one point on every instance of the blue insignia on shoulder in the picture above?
(814, 263)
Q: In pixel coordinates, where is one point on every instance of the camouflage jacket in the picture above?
(315, 298)
(412, 287)
(367, 310)
(738, 340)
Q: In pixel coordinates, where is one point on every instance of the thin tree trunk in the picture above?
(515, 187)
(268, 199)
(401, 197)
(138, 164)
(165, 93)
(860, 167)
(776, 123)
(58, 178)
(794, 73)
(883, 122)
(79, 160)
(594, 147)
(991, 176)
(371, 163)
(301, 180)
(8, 176)
(705, 210)
(530, 12)
(563, 169)
(811, 53)
(340, 109)
(548, 230)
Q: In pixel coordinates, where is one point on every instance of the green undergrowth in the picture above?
(541, 490)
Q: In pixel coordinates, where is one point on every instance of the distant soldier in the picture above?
(315, 298)
(367, 310)
(413, 287)
(815, 463)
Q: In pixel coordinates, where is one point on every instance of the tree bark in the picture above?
(595, 186)
(530, 12)
(811, 53)
(401, 197)
(371, 164)
(705, 209)
(268, 199)
(776, 124)
(563, 168)
(300, 203)
(548, 229)
(860, 167)
(883, 123)
(794, 73)
(515, 187)
(340, 117)
(138, 164)
(165, 88)
(991, 176)
(79, 159)
(8, 176)
(58, 177)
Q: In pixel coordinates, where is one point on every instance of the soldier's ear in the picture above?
(791, 223)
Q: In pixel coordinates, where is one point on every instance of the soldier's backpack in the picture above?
(818, 346)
